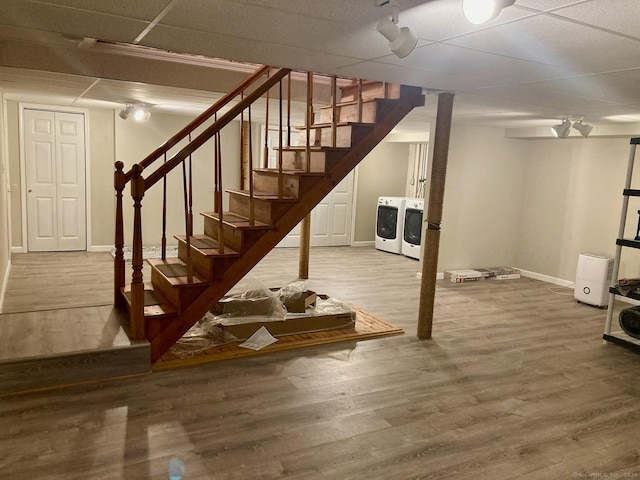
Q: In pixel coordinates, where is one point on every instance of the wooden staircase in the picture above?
(235, 237)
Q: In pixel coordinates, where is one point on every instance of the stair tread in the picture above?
(270, 197)
(207, 245)
(355, 102)
(340, 124)
(176, 279)
(313, 148)
(237, 221)
(299, 172)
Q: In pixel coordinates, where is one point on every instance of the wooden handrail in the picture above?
(203, 117)
(213, 129)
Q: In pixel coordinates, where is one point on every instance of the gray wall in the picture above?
(382, 173)
(5, 241)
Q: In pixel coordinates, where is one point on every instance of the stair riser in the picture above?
(349, 113)
(293, 185)
(346, 135)
(178, 296)
(370, 91)
(265, 212)
(206, 267)
(295, 160)
(233, 238)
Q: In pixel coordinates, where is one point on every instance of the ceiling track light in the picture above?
(139, 111)
(562, 129)
(583, 128)
(402, 41)
(481, 11)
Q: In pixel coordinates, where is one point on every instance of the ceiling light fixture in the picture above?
(128, 110)
(583, 128)
(481, 11)
(139, 111)
(562, 129)
(402, 41)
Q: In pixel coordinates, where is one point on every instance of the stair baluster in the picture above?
(252, 203)
(289, 110)
(137, 327)
(265, 163)
(218, 162)
(163, 241)
(308, 121)
(334, 112)
(360, 100)
(280, 175)
(118, 263)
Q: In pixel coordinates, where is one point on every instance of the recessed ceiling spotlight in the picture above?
(481, 11)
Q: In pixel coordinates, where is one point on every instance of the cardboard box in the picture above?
(460, 276)
(299, 302)
(295, 324)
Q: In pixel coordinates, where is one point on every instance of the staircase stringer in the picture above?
(241, 266)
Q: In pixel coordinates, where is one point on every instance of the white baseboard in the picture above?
(5, 283)
(439, 275)
(363, 244)
(18, 250)
(546, 278)
(100, 248)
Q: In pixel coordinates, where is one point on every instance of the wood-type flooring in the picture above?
(515, 384)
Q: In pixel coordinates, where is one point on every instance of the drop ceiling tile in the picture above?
(601, 87)
(536, 95)
(546, 5)
(293, 29)
(387, 72)
(551, 40)
(475, 69)
(252, 51)
(81, 23)
(619, 16)
(138, 9)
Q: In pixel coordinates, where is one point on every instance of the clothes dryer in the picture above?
(412, 231)
(389, 224)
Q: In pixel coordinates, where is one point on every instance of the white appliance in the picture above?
(412, 232)
(389, 224)
(593, 278)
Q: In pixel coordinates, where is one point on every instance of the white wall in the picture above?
(134, 140)
(483, 198)
(381, 173)
(572, 200)
(5, 227)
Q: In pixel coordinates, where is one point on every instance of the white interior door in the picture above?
(55, 180)
(330, 219)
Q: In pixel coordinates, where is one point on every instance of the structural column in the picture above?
(434, 215)
(305, 241)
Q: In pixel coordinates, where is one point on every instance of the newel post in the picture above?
(119, 265)
(137, 326)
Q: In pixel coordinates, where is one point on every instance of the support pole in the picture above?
(305, 241)
(434, 215)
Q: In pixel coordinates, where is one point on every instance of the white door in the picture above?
(330, 219)
(55, 180)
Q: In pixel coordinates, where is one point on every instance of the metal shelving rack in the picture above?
(622, 338)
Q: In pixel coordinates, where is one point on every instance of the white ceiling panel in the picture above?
(146, 10)
(622, 18)
(82, 23)
(553, 41)
(538, 60)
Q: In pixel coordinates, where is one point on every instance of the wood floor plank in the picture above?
(516, 383)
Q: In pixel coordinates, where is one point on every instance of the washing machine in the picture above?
(389, 224)
(412, 232)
